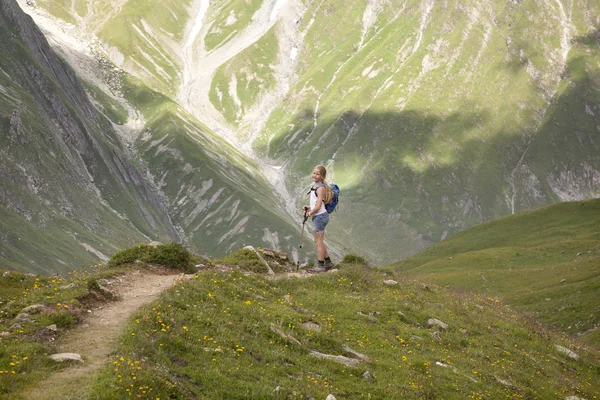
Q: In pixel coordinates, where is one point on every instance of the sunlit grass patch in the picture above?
(230, 335)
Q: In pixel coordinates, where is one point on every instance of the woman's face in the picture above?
(316, 175)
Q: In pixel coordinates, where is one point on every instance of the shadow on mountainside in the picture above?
(411, 178)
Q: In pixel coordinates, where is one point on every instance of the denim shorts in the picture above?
(320, 221)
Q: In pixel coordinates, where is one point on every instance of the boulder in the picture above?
(437, 322)
(33, 309)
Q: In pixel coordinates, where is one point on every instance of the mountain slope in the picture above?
(76, 186)
(545, 262)
(69, 191)
(431, 116)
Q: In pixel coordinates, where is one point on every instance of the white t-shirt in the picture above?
(313, 202)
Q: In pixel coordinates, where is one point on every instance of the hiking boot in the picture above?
(318, 268)
(329, 265)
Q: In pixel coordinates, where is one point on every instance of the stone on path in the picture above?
(60, 357)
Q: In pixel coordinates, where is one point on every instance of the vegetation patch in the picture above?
(543, 262)
(244, 259)
(230, 335)
(171, 255)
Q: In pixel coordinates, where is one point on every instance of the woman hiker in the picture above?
(320, 217)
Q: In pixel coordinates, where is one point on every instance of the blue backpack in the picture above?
(333, 202)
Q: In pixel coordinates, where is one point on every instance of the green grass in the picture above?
(172, 255)
(544, 262)
(24, 353)
(231, 20)
(216, 336)
(252, 70)
(110, 107)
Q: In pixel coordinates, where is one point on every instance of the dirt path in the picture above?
(95, 339)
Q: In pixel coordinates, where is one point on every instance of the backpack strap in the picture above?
(315, 189)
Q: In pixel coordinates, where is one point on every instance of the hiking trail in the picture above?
(95, 338)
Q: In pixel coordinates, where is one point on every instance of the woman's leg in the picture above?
(321, 248)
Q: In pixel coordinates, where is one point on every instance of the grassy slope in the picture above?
(24, 351)
(64, 172)
(545, 262)
(427, 142)
(218, 196)
(213, 337)
(253, 74)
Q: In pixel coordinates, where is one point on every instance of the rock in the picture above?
(106, 293)
(437, 322)
(330, 397)
(33, 309)
(23, 317)
(15, 327)
(390, 282)
(436, 336)
(505, 383)
(60, 357)
(356, 353)
(567, 352)
(69, 286)
(7, 273)
(285, 336)
(464, 331)
(349, 362)
(4, 335)
(52, 328)
(574, 398)
(275, 253)
(563, 280)
(311, 326)
(367, 376)
(200, 266)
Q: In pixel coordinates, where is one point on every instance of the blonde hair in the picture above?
(328, 190)
(322, 171)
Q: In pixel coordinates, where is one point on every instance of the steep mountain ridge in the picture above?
(208, 193)
(66, 179)
(431, 116)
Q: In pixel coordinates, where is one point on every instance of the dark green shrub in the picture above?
(172, 255)
(126, 256)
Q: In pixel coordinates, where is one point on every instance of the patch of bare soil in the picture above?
(96, 337)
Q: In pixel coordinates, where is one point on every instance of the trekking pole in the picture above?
(301, 239)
